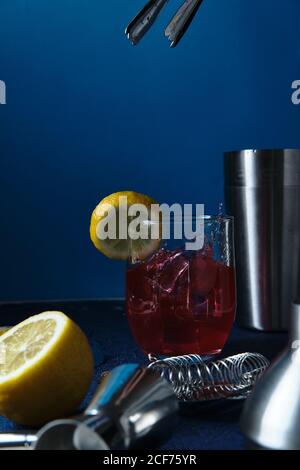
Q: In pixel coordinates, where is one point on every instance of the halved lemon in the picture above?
(46, 367)
(117, 246)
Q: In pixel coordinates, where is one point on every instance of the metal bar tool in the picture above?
(133, 406)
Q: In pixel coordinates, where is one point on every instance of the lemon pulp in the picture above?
(25, 344)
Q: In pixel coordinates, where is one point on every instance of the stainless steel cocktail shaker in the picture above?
(262, 192)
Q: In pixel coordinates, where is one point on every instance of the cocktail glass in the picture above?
(183, 301)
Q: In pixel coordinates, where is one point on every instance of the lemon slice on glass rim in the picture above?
(127, 245)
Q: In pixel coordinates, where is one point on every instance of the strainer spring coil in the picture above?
(194, 379)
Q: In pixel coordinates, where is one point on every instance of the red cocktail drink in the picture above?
(181, 302)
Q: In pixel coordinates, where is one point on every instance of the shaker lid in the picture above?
(254, 167)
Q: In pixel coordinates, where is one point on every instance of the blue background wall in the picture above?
(88, 114)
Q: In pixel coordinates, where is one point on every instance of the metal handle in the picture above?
(12, 440)
(181, 21)
(139, 26)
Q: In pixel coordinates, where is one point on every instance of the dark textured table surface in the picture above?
(200, 426)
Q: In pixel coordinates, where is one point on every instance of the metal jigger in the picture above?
(131, 407)
(271, 417)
